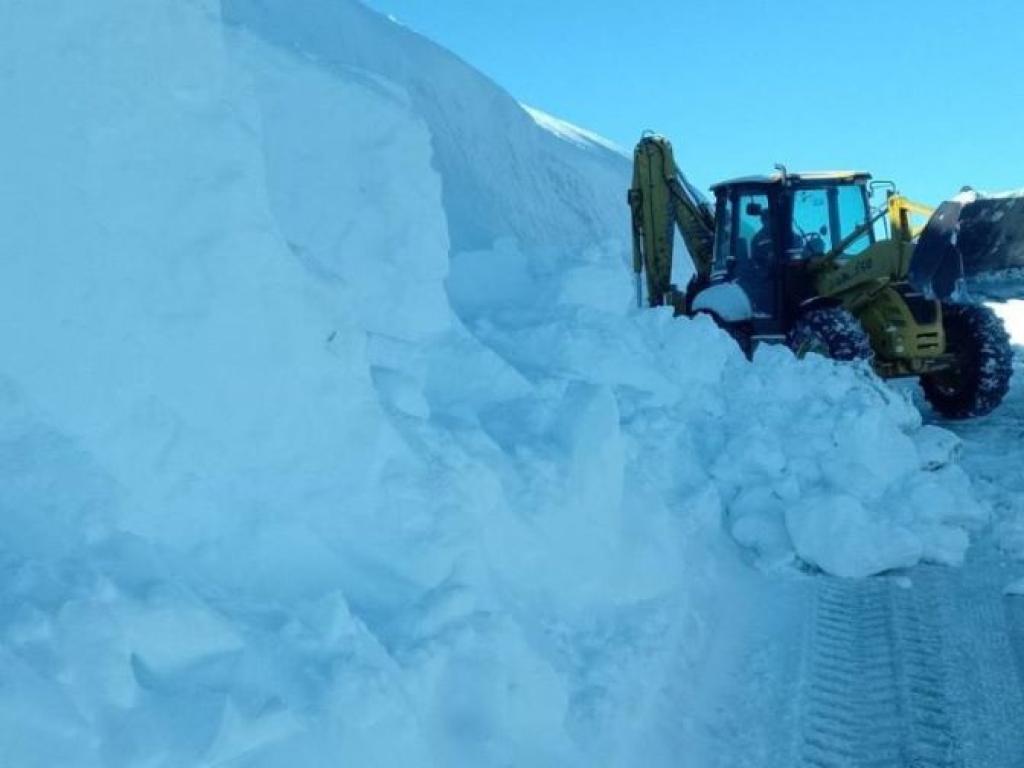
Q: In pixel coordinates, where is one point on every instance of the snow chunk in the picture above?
(965, 196)
(838, 534)
(937, 447)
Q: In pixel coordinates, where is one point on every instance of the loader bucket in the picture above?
(991, 240)
(979, 237)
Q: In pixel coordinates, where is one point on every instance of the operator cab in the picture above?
(768, 227)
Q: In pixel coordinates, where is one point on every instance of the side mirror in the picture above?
(754, 209)
(888, 186)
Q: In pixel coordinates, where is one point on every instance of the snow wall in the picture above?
(329, 434)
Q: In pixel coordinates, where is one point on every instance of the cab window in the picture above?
(852, 210)
(744, 247)
(811, 222)
(824, 216)
(723, 233)
(755, 252)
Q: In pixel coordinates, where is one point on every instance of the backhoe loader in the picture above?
(804, 259)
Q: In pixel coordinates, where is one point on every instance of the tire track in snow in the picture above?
(981, 663)
(850, 679)
(921, 677)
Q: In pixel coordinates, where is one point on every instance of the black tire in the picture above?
(981, 378)
(830, 331)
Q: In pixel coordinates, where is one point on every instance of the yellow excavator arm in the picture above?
(900, 209)
(662, 200)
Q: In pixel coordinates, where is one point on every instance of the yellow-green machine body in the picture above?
(806, 259)
(905, 327)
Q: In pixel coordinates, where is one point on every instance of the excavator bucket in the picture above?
(977, 237)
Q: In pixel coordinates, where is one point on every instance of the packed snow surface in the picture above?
(570, 132)
(1005, 193)
(329, 431)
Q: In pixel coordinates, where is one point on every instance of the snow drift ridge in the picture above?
(503, 176)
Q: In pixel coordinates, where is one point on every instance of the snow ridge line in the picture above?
(875, 692)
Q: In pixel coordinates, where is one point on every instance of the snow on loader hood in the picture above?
(328, 430)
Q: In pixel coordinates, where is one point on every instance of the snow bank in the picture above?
(328, 432)
(808, 458)
(503, 176)
(192, 429)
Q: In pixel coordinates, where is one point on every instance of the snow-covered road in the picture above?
(915, 672)
(923, 667)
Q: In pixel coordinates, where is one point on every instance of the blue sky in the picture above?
(930, 94)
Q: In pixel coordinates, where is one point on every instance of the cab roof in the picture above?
(810, 177)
